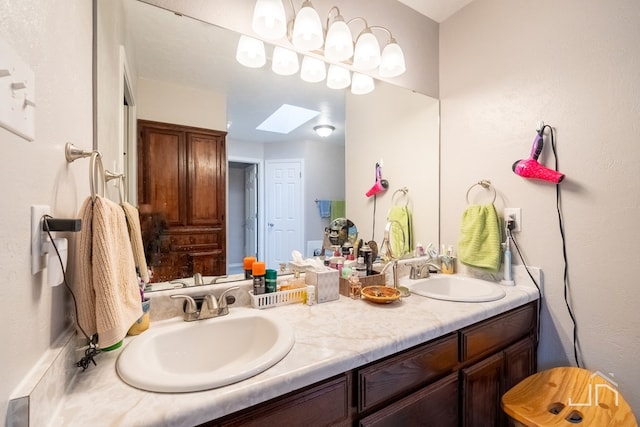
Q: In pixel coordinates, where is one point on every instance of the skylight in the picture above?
(287, 118)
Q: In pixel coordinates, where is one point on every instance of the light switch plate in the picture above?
(38, 237)
(17, 93)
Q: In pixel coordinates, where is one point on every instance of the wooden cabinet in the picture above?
(182, 199)
(455, 380)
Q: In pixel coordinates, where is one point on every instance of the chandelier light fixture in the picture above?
(333, 44)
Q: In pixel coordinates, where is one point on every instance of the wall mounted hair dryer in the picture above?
(531, 168)
(380, 184)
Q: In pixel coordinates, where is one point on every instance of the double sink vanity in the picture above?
(345, 362)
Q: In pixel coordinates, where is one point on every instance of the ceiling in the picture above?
(168, 47)
(438, 10)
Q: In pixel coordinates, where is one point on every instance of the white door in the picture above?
(251, 210)
(285, 211)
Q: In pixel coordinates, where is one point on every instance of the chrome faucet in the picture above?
(211, 307)
(421, 271)
(394, 264)
(197, 281)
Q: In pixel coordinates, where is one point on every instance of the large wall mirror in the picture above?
(157, 65)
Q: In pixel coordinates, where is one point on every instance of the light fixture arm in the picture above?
(386, 30)
(359, 18)
(338, 16)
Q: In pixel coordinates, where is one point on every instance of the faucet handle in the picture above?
(222, 301)
(190, 308)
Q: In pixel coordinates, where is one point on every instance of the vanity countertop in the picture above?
(331, 338)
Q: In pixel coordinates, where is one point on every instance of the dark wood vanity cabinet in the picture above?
(455, 380)
(182, 199)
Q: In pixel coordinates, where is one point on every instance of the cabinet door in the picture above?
(162, 171)
(207, 182)
(481, 391)
(520, 362)
(434, 405)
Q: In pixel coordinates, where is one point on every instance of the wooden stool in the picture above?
(567, 397)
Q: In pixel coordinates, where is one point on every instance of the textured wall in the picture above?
(56, 41)
(504, 66)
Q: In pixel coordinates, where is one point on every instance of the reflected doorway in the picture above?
(244, 236)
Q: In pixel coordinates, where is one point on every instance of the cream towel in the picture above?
(135, 237)
(105, 284)
(480, 236)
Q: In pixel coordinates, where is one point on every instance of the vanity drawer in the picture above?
(493, 334)
(323, 404)
(405, 372)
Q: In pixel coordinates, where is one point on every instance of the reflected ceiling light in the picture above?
(366, 55)
(338, 77)
(361, 84)
(285, 61)
(307, 29)
(338, 45)
(250, 52)
(313, 70)
(306, 33)
(269, 20)
(324, 130)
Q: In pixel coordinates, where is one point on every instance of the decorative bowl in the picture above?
(380, 294)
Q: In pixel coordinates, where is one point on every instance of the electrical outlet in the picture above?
(514, 214)
(38, 238)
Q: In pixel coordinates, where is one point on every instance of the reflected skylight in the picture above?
(287, 118)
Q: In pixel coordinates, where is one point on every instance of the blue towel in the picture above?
(325, 208)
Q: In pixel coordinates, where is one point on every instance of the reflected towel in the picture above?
(480, 237)
(324, 206)
(401, 231)
(105, 285)
(135, 237)
(337, 209)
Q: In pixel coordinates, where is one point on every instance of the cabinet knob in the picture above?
(271, 224)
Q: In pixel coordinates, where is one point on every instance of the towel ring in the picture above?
(95, 165)
(404, 191)
(486, 184)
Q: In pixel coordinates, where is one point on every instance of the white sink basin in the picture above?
(451, 287)
(205, 354)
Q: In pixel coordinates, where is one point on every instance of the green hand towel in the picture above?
(401, 232)
(337, 209)
(480, 237)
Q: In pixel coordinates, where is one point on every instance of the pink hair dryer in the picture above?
(380, 184)
(531, 168)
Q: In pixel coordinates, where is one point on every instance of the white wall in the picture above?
(56, 42)
(400, 128)
(574, 64)
(170, 103)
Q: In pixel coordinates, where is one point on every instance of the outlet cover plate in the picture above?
(516, 214)
(38, 237)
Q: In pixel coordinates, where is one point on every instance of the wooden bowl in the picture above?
(380, 294)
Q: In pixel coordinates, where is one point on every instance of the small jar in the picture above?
(354, 286)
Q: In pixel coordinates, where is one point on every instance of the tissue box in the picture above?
(327, 284)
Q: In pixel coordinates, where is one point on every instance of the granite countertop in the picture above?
(331, 338)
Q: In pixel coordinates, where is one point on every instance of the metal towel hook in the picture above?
(486, 184)
(73, 153)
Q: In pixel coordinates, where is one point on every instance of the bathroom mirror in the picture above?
(120, 68)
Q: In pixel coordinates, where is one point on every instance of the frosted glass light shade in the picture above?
(338, 77)
(367, 52)
(313, 70)
(269, 20)
(285, 61)
(339, 43)
(307, 29)
(362, 84)
(250, 52)
(324, 130)
(392, 61)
